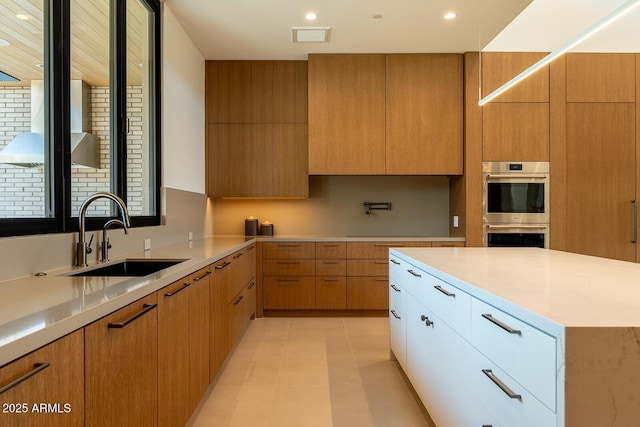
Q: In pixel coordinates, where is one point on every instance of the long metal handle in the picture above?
(250, 248)
(223, 265)
(288, 262)
(236, 302)
(516, 176)
(197, 279)
(251, 285)
(332, 245)
(37, 367)
(381, 280)
(527, 226)
(394, 261)
(238, 256)
(504, 326)
(289, 245)
(395, 314)
(146, 308)
(381, 262)
(329, 279)
(414, 273)
(184, 286)
(634, 238)
(395, 288)
(497, 381)
(282, 279)
(444, 291)
(330, 262)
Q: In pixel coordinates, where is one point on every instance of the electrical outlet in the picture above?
(147, 244)
(191, 236)
(455, 221)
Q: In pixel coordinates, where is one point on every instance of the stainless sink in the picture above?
(131, 267)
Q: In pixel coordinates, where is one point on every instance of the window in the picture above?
(80, 79)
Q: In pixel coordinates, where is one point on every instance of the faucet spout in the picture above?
(82, 248)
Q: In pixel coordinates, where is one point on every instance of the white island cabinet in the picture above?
(518, 337)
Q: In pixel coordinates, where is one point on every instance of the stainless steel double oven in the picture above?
(515, 204)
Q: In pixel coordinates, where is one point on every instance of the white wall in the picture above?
(183, 108)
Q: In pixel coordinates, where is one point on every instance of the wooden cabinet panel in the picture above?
(331, 250)
(199, 336)
(346, 114)
(601, 150)
(173, 354)
(424, 114)
(61, 382)
(601, 77)
(121, 367)
(278, 91)
(367, 267)
(367, 293)
(500, 67)
(219, 294)
(289, 267)
(516, 132)
(289, 250)
(360, 250)
(228, 91)
(331, 293)
(289, 293)
(269, 160)
(331, 267)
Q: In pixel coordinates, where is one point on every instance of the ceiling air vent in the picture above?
(311, 34)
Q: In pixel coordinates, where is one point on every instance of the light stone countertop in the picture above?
(35, 311)
(561, 289)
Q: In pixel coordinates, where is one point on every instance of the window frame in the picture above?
(57, 60)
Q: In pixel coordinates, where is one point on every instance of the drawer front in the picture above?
(331, 267)
(289, 250)
(525, 353)
(367, 293)
(447, 244)
(288, 267)
(364, 250)
(331, 250)
(504, 398)
(331, 293)
(416, 283)
(452, 305)
(396, 266)
(368, 267)
(289, 293)
(397, 324)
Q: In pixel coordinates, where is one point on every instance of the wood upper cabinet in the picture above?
(424, 101)
(53, 375)
(500, 67)
(347, 114)
(121, 367)
(601, 77)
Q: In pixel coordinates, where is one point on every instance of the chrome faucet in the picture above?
(82, 248)
(105, 240)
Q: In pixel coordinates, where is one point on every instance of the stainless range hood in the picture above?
(27, 149)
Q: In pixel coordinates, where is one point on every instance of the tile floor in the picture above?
(307, 372)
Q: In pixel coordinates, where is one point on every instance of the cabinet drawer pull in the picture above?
(282, 279)
(497, 381)
(238, 255)
(330, 280)
(184, 286)
(414, 273)
(382, 280)
(394, 261)
(252, 247)
(288, 245)
(634, 237)
(331, 245)
(236, 302)
(381, 262)
(223, 265)
(330, 262)
(288, 262)
(426, 320)
(197, 279)
(146, 308)
(395, 314)
(444, 291)
(251, 285)
(498, 323)
(37, 367)
(395, 288)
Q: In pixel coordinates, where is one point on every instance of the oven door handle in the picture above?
(527, 226)
(517, 176)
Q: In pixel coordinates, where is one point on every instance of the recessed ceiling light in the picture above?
(4, 42)
(450, 15)
(22, 16)
(311, 16)
(378, 16)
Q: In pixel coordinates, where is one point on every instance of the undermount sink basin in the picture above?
(131, 267)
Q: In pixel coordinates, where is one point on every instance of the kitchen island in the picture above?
(520, 337)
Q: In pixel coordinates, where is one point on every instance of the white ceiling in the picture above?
(250, 29)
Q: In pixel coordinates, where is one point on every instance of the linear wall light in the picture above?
(626, 7)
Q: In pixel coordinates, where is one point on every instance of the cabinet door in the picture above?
(173, 353)
(219, 294)
(52, 375)
(500, 67)
(424, 114)
(601, 77)
(228, 89)
(346, 114)
(289, 293)
(398, 323)
(121, 367)
(331, 293)
(198, 336)
(367, 293)
(268, 160)
(278, 91)
(601, 146)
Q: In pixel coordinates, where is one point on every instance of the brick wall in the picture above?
(22, 189)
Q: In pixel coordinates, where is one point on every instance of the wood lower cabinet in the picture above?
(121, 367)
(288, 270)
(45, 387)
(199, 323)
(219, 313)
